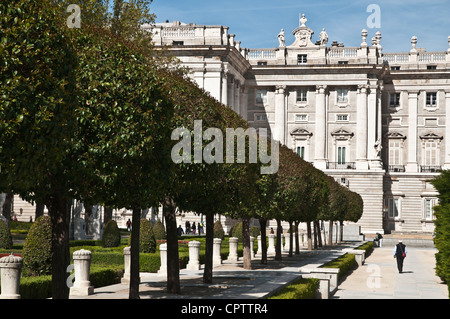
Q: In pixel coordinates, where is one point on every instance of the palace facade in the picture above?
(375, 121)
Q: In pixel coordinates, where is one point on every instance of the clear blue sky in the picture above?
(257, 23)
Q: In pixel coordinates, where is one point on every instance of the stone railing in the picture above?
(256, 54)
(432, 57)
(178, 32)
(343, 52)
(396, 57)
(425, 57)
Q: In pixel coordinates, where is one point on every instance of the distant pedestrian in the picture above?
(379, 240)
(400, 254)
(200, 227)
(129, 224)
(187, 225)
(180, 231)
(193, 228)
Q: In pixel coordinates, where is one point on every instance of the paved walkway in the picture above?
(377, 278)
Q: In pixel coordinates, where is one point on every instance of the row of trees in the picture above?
(88, 112)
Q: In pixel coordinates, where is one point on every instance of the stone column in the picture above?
(259, 252)
(411, 165)
(233, 254)
(287, 242)
(194, 254)
(321, 128)
(82, 263)
(163, 255)
(447, 128)
(224, 88)
(271, 248)
(361, 129)
(127, 262)
(252, 247)
(217, 258)
(280, 114)
(10, 269)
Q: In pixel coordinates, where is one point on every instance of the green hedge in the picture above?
(367, 247)
(345, 263)
(303, 288)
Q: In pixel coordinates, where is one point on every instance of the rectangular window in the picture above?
(432, 99)
(302, 95)
(342, 117)
(393, 207)
(262, 63)
(301, 117)
(176, 43)
(301, 151)
(302, 59)
(395, 68)
(394, 99)
(342, 95)
(261, 96)
(260, 117)
(431, 150)
(395, 152)
(343, 62)
(341, 155)
(431, 67)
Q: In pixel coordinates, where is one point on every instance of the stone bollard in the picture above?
(82, 264)
(10, 268)
(194, 255)
(217, 258)
(287, 242)
(163, 253)
(271, 248)
(252, 248)
(127, 261)
(259, 252)
(233, 254)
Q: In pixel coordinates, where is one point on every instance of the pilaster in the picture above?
(411, 165)
(280, 114)
(321, 128)
(361, 129)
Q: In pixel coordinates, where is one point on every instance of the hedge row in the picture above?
(303, 288)
(345, 263)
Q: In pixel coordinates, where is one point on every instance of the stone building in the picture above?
(373, 120)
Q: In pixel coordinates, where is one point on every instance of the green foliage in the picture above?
(218, 230)
(147, 241)
(345, 263)
(159, 231)
(36, 287)
(5, 236)
(111, 235)
(442, 226)
(236, 231)
(254, 231)
(37, 249)
(303, 288)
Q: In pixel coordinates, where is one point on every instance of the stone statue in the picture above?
(303, 21)
(378, 148)
(323, 37)
(281, 38)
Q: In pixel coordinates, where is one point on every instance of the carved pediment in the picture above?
(301, 132)
(395, 135)
(342, 134)
(431, 136)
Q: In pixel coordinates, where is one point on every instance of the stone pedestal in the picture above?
(194, 254)
(287, 242)
(259, 252)
(10, 268)
(271, 248)
(217, 259)
(252, 247)
(127, 262)
(163, 254)
(233, 254)
(82, 263)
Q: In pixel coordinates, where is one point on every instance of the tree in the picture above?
(36, 118)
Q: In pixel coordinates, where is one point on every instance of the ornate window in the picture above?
(342, 96)
(431, 144)
(395, 152)
(300, 141)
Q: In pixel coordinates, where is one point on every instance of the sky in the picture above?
(256, 23)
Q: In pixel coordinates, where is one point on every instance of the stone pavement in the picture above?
(377, 278)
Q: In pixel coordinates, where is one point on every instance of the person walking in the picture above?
(400, 254)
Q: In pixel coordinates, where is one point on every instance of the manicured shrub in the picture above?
(39, 287)
(218, 230)
(345, 263)
(111, 235)
(147, 241)
(303, 288)
(236, 231)
(159, 231)
(37, 249)
(5, 236)
(254, 231)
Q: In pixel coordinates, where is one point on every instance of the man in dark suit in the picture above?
(400, 254)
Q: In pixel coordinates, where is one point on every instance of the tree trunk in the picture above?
(59, 212)
(87, 217)
(173, 263)
(208, 271)
(319, 235)
(134, 251)
(309, 234)
(246, 243)
(39, 210)
(297, 239)
(330, 233)
(341, 233)
(291, 239)
(263, 224)
(107, 215)
(7, 206)
(279, 241)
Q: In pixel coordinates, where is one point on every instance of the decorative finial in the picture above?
(303, 20)
(413, 44)
(448, 50)
(364, 37)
